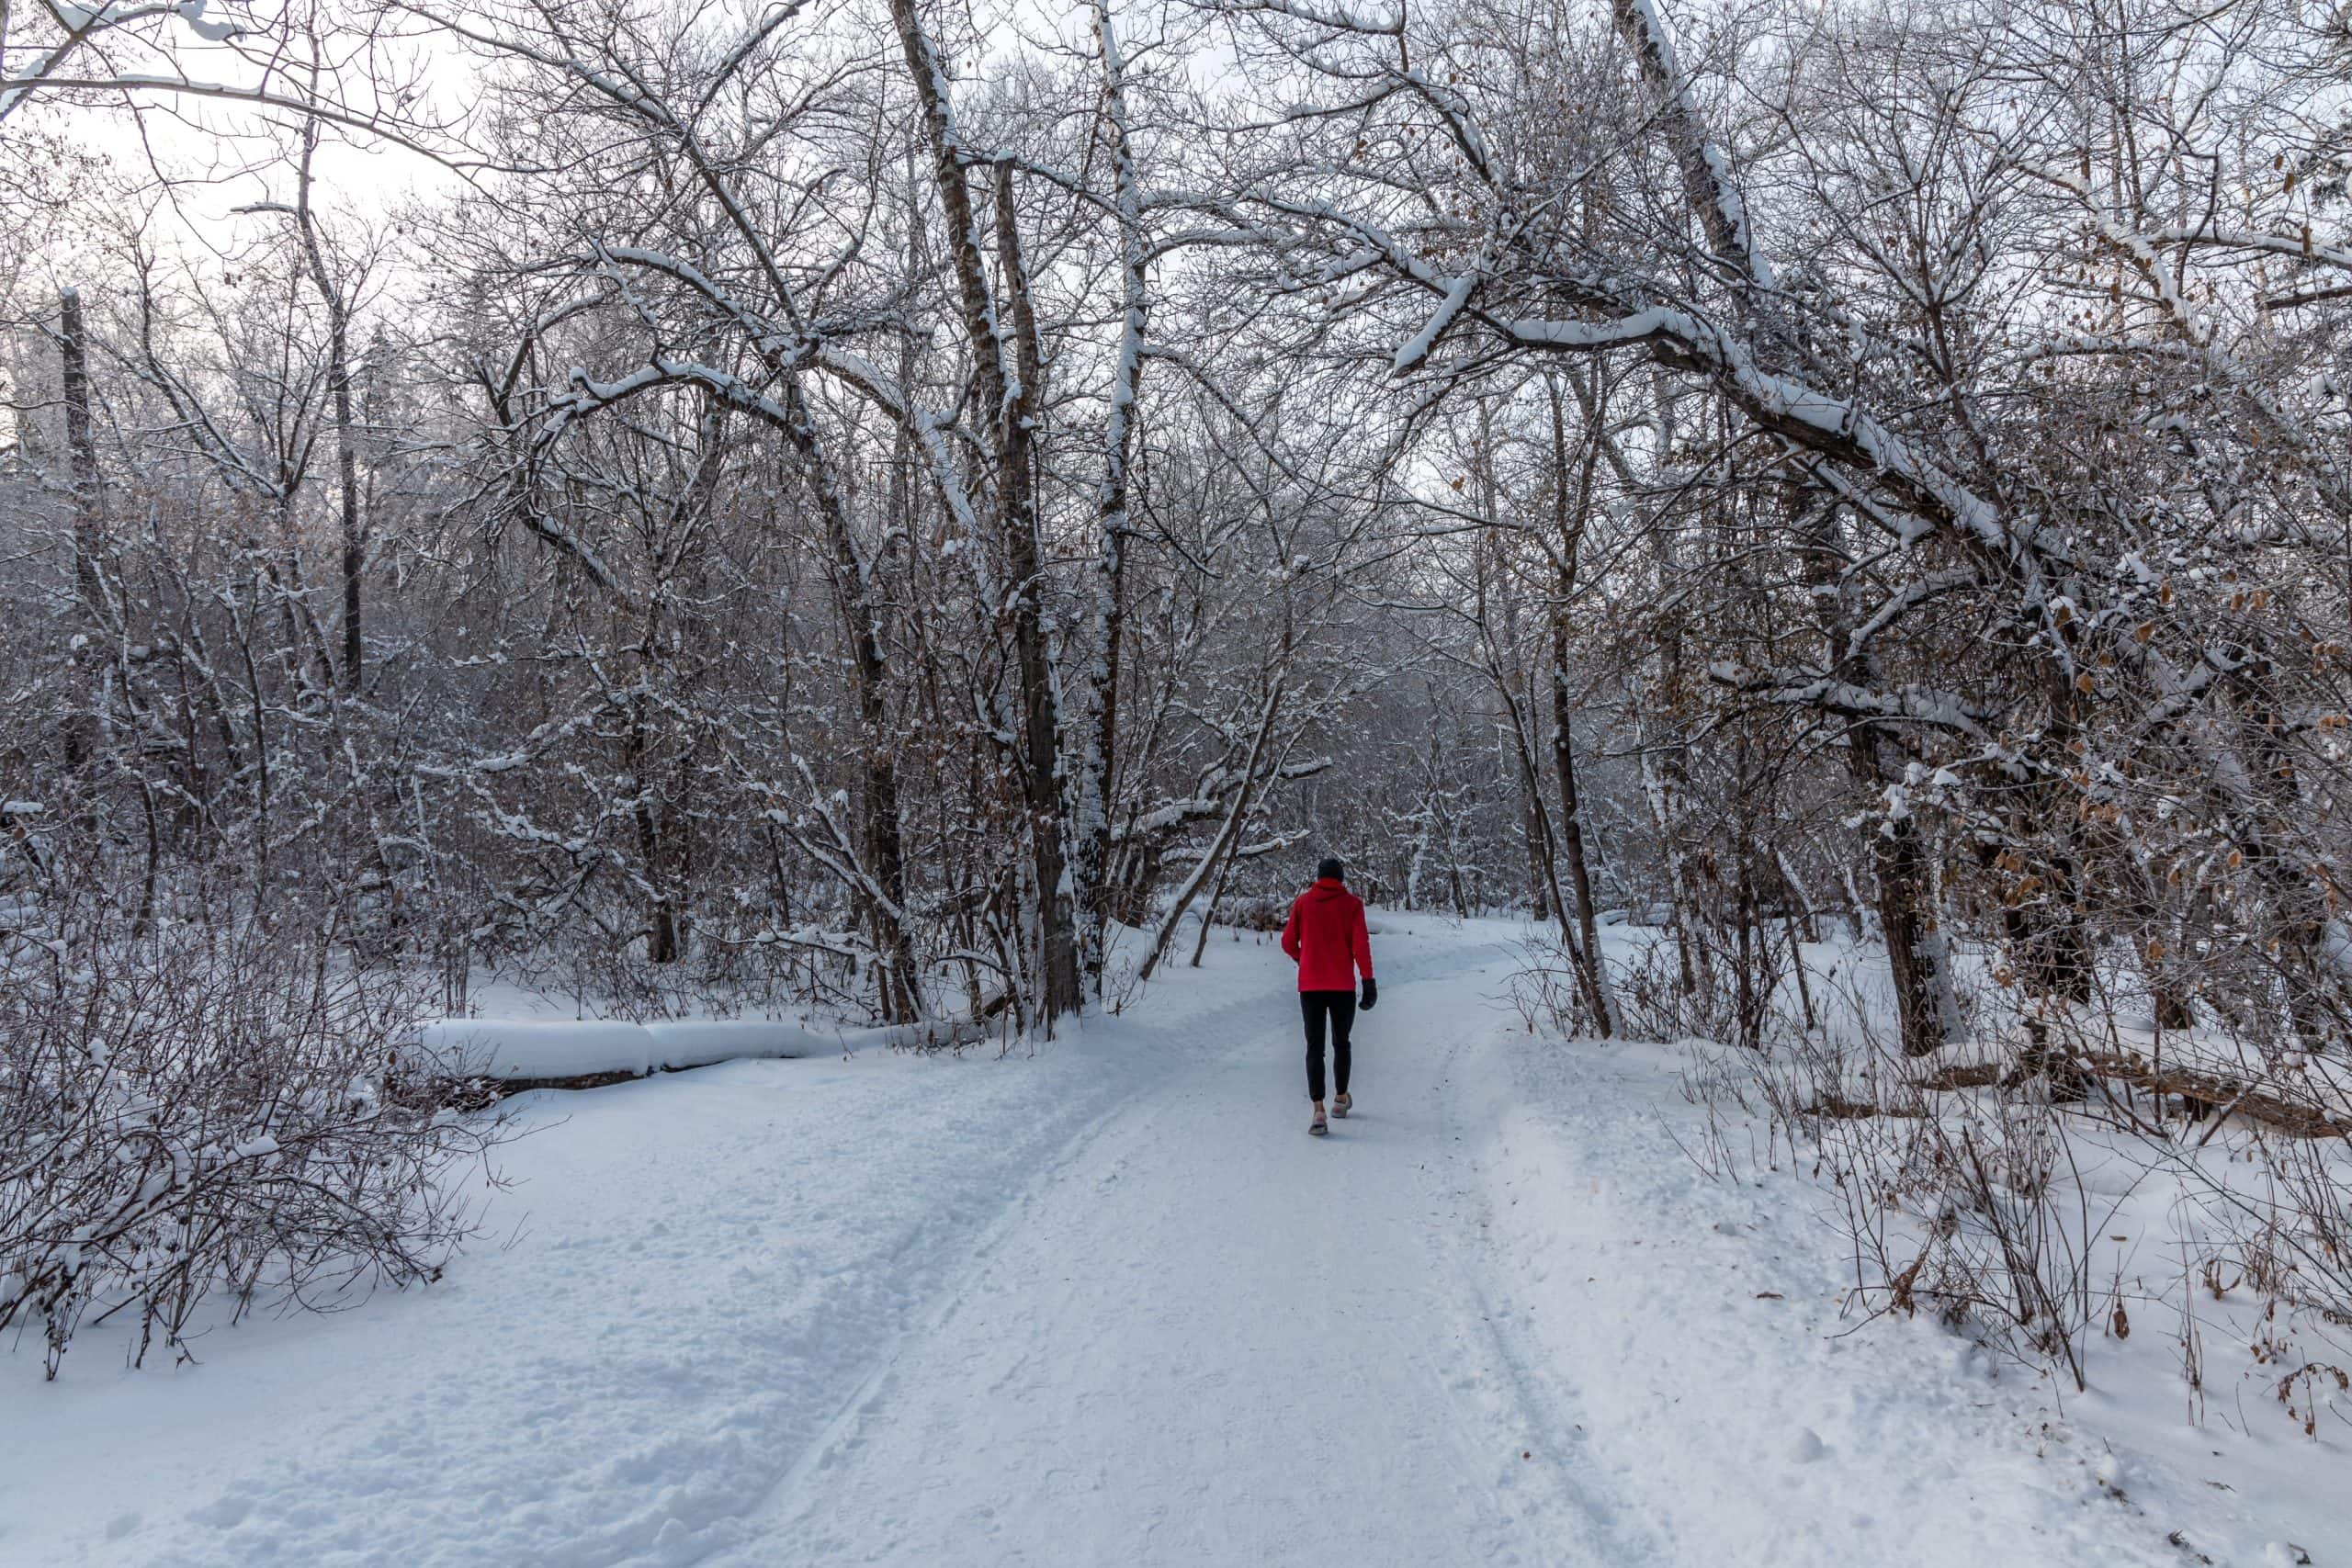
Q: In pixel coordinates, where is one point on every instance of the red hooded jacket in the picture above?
(1326, 933)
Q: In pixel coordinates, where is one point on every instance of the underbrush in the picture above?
(2049, 1191)
(210, 1114)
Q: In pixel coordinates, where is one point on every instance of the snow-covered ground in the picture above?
(1107, 1303)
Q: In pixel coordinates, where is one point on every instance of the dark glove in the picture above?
(1370, 993)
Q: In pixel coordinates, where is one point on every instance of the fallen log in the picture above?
(1966, 1074)
(2209, 1091)
(2297, 1119)
(1838, 1108)
(472, 1062)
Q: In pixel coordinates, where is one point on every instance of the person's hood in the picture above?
(1327, 888)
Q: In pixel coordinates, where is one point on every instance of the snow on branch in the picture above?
(1336, 18)
(1415, 349)
(1910, 701)
(1825, 423)
(1707, 179)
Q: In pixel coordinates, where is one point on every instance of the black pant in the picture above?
(1340, 1007)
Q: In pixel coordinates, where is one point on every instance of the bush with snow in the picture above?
(2056, 1184)
(200, 1115)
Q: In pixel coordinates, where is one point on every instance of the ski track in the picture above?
(1112, 1305)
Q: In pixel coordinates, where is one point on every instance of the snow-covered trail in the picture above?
(1215, 1339)
(1110, 1305)
(1497, 1316)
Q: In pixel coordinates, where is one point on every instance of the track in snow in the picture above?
(1110, 1305)
(1214, 1339)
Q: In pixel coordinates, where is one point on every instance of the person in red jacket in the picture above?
(1325, 935)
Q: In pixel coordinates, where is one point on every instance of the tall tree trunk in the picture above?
(1099, 709)
(1521, 725)
(1916, 960)
(1662, 701)
(1007, 382)
(81, 726)
(338, 308)
(1024, 556)
(879, 825)
(1568, 524)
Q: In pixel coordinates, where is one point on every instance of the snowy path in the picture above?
(1215, 1339)
(1496, 1317)
(1112, 1305)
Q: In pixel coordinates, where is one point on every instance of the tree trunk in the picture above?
(89, 591)
(339, 388)
(1569, 525)
(1041, 723)
(1008, 389)
(878, 821)
(1899, 865)
(1754, 981)
(1100, 682)
(1914, 958)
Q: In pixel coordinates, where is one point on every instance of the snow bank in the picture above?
(1699, 1317)
(534, 1048)
(530, 1049)
(697, 1043)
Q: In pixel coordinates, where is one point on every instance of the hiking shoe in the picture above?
(1341, 1105)
(1318, 1126)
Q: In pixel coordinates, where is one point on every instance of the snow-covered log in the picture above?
(537, 1051)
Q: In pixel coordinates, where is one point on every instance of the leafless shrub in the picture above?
(1717, 1080)
(1953, 1202)
(1544, 992)
(1960, 1211)
(1661, 997)
(208, 1112)
(2303, 1390)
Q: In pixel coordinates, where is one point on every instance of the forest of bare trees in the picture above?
(856, 505)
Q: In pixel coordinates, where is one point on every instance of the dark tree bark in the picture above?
(338, 307)
(89, 589)
(1569, 523)
(1899, 868)
(1006, 378)
(883, 847)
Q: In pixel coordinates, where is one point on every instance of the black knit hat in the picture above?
(1332, 868)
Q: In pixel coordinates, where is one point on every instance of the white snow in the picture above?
(537, 1048)
(1104, 1302)
(1415, 349)
(545, 1047)
(192, 13)
(74, 17)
